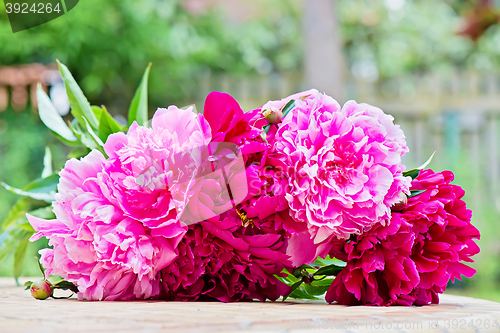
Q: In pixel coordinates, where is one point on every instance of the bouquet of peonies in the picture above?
(297, 198)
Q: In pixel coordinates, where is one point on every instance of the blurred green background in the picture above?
(433, 64)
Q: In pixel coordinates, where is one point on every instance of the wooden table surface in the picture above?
(19, 312)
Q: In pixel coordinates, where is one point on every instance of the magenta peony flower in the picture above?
(229, 123)
(411, 260)
(228, 261)
(117, 220)
(344, 168)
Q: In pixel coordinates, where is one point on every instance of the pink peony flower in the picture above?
(344, 168)
(411, 260)
(117, 220)
(151, 170)
(228, 261)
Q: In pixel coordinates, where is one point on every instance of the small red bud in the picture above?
(41, 289)
(273, 115)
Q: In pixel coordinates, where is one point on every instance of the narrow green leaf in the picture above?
(28, 284)
(413, 173)
(45, 185)
(294, 287)
(266, 129)
(48, 197)
(315, 290)
(138, 110)
(288, 107)
(80, 106)
(426, 163)
(107, 125)
(47, 163)
(92, 133)
(329, 261)
(39, 189)
(300, 293)
(414, 193)
(51, 118)
(40, 266)
(329, 270)
(95, 137)
(65, 285)
(43, 213)
(323, 282)
(20, 255)
(83, 136)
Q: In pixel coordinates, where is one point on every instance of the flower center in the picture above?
(245, 221)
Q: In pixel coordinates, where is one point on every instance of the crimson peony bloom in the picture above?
(232, 259)
(411, 260)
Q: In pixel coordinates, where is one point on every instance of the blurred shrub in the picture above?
(387, 38)
(107, 45)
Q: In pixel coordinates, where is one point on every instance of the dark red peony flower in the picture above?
(233, 259)
(411, 260)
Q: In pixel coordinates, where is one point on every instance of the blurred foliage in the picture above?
(107, 45)
(387, 38)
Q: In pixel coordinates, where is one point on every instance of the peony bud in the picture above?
(41, 289)
(401, 205)
(273, 115)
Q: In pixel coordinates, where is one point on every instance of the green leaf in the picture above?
(315, 290)
(139, 107)
(288, 107)
(47, 163)
(294, 287)
(80, 106)
(97, 111)
(78, 152)
(329, 270)
(8, 240)
(414, 193)
(329, 261)
(39, 189)
(20, 255)
(65, 285)
(413, 173)
(95, 137)
(45, 185)
(322, 282)
(40, 266)
(297, 272)
(300, 293)
(107, 125)
(84, 137)
(16, 212)
(43, 213)
(28, 284)
(50, 117)
(26, 226)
